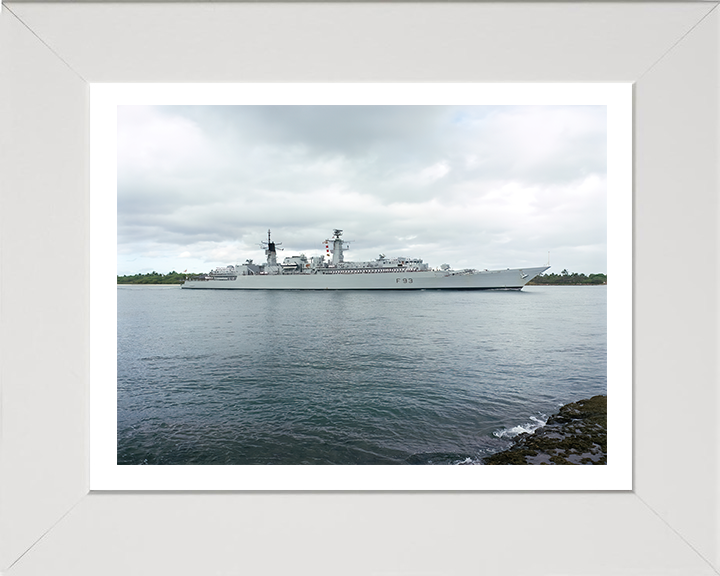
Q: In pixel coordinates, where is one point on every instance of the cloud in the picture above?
(472, 186)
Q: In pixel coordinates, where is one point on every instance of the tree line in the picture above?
(568, 279)
(154, 278)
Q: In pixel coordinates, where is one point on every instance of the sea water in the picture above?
(348, 377)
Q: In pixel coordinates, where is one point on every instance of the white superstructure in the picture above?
(317, 273)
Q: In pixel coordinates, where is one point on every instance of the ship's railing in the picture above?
(370, 270)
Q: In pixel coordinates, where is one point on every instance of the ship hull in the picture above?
(510, 279)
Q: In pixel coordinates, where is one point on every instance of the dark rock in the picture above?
(577, 434)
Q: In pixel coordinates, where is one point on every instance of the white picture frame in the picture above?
(49, 521)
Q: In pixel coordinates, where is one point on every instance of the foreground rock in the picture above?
(575, 435)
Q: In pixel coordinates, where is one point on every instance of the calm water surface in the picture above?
(317, 377)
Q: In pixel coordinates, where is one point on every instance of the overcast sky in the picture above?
(471, 186)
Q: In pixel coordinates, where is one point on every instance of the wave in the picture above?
(528, 427)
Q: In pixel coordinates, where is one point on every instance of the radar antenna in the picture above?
(338, 247)
(270, 245)
(270, 249)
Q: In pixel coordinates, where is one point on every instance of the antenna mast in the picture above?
(270, 250)
(337, 249)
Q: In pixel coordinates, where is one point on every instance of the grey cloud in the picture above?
(384, 174)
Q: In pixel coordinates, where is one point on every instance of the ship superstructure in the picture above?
(331, 272)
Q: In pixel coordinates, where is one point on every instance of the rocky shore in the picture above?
(577, 434)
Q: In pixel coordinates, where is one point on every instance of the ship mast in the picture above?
(337, 249)
(270, 250)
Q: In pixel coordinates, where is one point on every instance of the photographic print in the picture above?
(470, 308)
(378, 286)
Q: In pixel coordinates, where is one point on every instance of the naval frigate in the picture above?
(334, 273)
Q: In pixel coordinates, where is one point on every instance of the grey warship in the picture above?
(332, 272)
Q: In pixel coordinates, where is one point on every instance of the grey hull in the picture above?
(510, 279)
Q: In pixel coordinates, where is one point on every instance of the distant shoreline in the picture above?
(566, 278)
